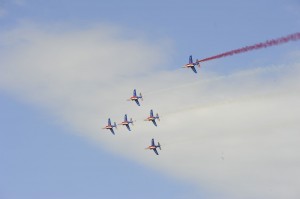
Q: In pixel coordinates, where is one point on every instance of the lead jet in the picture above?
(136, 98)
(153, 147)
(110, 126)
(126, 122)
(153, 118)
(192, 65)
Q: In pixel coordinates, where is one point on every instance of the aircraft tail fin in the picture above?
(198, 63)
(115, 125)
(141, 96)
(131, 121)
(157, 116)
(158, 145)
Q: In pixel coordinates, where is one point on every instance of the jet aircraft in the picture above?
(110, 126)
(152, 117)
(153, 147)
(192, 65)
(136, 98)
(126, 122)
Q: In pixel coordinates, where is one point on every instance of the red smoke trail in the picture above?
(266, 44)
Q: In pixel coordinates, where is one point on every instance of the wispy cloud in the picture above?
(236, 136)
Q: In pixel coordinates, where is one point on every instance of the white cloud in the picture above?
(236, 136)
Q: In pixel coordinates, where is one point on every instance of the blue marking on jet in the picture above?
(110, 126)
(126, 122)
(136, 98)
(192, 65)
(153, 147)
(153, 118)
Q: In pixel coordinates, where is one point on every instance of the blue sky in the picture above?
(40, 159)
(45, 151)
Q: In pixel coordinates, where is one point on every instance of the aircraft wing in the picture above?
(194, 69)
(134, 93)
(137, 102)
(112, 131)
(154, 122)
(152, 142)
(109, 123)
(190, 59)
(128, 127)
(125, 118)
(151, 113)
(155, 151)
